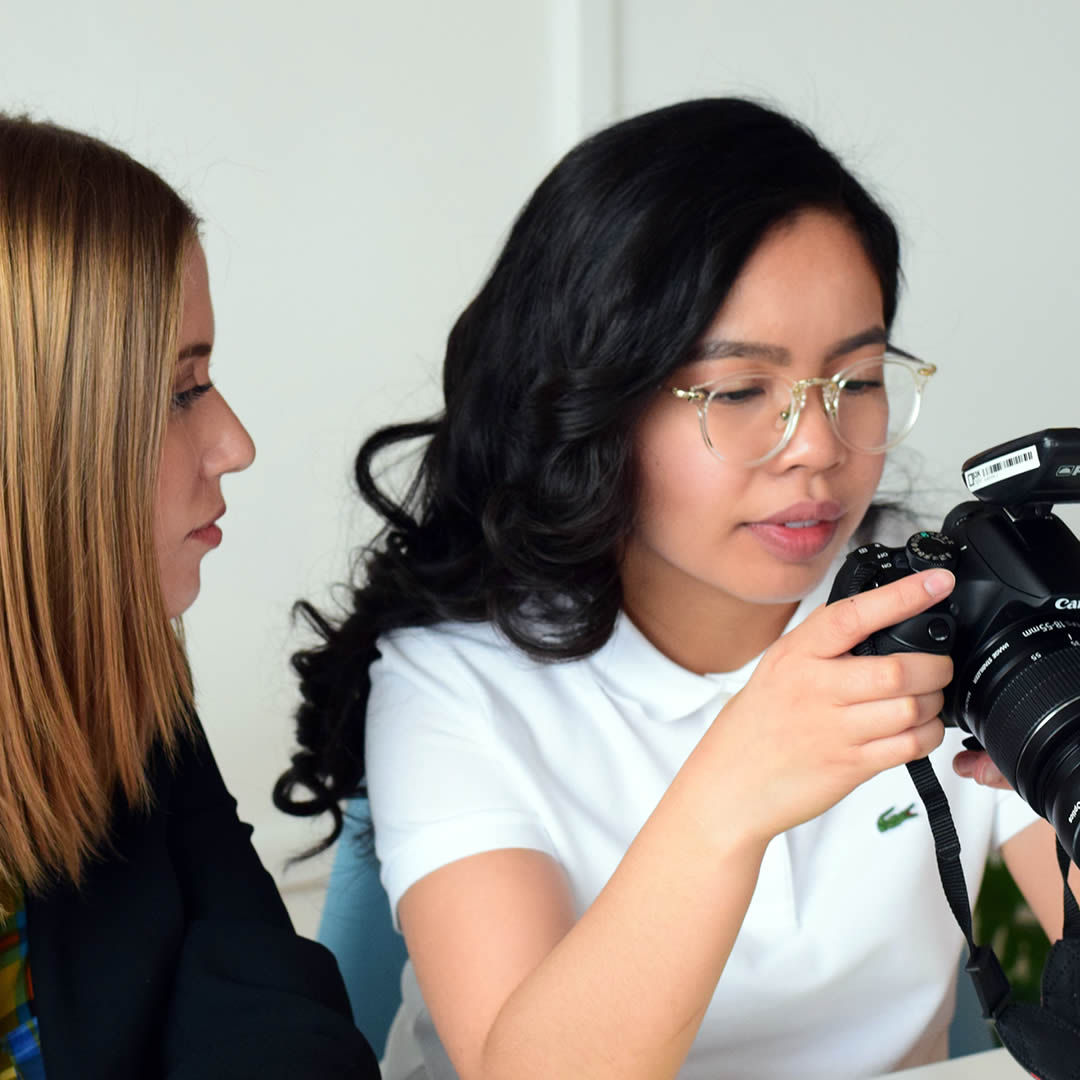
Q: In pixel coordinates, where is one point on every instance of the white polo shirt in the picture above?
(846, 961)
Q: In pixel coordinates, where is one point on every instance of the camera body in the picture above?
(1012, 622)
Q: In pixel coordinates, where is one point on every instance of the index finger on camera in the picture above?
(843, 624)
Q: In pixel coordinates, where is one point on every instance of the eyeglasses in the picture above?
(750, 417)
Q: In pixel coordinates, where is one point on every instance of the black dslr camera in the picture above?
(1012, 623)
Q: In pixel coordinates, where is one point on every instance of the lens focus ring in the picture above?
(1036, 708)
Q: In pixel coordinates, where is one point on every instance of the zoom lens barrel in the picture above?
(1022, 702)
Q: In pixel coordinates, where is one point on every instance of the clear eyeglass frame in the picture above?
(919, 371)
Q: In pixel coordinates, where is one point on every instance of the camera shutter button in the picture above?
(926, 550)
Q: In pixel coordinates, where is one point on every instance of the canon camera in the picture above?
(1011, 624)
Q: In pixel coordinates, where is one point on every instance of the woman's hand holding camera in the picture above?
(814, 721)
(977, 765)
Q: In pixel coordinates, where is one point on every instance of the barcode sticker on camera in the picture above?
(990, 472)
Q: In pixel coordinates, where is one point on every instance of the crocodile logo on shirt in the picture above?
(889, 819)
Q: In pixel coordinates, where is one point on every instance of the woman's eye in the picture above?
(184, 399)
(860, 386)
(737, 395)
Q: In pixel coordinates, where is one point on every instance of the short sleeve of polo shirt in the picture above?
(440, 787)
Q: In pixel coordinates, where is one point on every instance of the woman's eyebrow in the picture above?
(719, 348)
(874, 335)
(200, 348)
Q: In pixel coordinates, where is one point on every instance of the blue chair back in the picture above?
(357, 928)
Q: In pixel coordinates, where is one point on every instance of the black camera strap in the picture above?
(1044, 1038)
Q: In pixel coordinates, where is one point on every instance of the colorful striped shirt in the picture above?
(20, 1043)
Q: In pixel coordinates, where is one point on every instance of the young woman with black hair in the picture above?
(638, 811)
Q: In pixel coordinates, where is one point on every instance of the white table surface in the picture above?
(989, 1065)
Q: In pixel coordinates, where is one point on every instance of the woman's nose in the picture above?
(814, 442)
(231, 448)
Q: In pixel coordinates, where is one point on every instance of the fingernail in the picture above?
(962, 766)
(938, 582)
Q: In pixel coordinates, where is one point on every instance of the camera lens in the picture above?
(1022, 701)
(1063, 798)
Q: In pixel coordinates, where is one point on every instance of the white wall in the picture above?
(357, 164)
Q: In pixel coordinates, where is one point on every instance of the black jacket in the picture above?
(176, 957)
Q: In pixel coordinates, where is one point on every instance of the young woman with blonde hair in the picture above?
(142, 938)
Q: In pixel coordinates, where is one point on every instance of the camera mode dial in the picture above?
(926, 550)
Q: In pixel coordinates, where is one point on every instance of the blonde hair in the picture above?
(92, 672)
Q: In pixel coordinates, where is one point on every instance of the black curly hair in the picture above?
(526, 489)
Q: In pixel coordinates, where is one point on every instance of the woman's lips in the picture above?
(794, 542)
(208, 534)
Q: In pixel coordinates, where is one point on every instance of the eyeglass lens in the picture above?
(876, 403)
